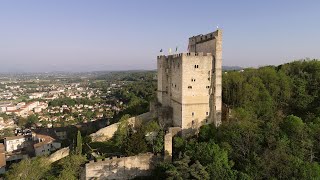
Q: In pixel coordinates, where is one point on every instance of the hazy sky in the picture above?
(76, 35)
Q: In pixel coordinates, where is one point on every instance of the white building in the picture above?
(36, 95)
(46, 144)
(15, 142)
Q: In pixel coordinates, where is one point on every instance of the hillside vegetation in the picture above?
(274, 131)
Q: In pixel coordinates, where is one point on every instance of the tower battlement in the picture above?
(184, 54)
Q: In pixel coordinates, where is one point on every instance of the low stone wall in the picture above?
(106, 133)
(64, 152)
(121, 168)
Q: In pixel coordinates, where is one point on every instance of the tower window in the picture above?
(207, 87)
(192, 122)
(196, 66)
(189, 87)
(207, 113)
(192, 114)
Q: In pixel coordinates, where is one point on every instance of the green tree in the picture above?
(136, 143)
(158, 143)
(197, 171)
(79, 144)
(70, 167)
(29, 169)
(214, 158)
(182, 166)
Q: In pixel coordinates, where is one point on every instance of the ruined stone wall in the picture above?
(106, 133)
(61, 153)
(121, 168)
(168, 138)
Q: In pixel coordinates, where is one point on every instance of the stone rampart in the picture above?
(61, 153)
(106, 133)
(121, 168)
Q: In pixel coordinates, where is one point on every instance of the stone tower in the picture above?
(189, 84)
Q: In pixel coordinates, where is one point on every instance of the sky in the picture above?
(106, 35)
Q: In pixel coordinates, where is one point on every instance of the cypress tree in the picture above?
(79, 144)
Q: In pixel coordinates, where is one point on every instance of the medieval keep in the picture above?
(189, 84)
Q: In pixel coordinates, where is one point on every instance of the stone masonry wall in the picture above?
(190, 83)
(106, 133)
(121, 168)
(61, 153)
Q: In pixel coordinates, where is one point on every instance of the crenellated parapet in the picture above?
(173, 56)
(202, 38)
(115, 158)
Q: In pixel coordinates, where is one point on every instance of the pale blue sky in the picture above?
(78, 35)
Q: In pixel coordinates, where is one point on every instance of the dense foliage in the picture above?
(273, 131)
(40, 167)
(136, 97)
(71, 102)
(128, 141)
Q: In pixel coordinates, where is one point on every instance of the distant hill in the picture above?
(231, 68)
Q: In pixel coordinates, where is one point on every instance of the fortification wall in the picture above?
(172, 132)
(121, 168)
(61, 153)
(106, 133)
